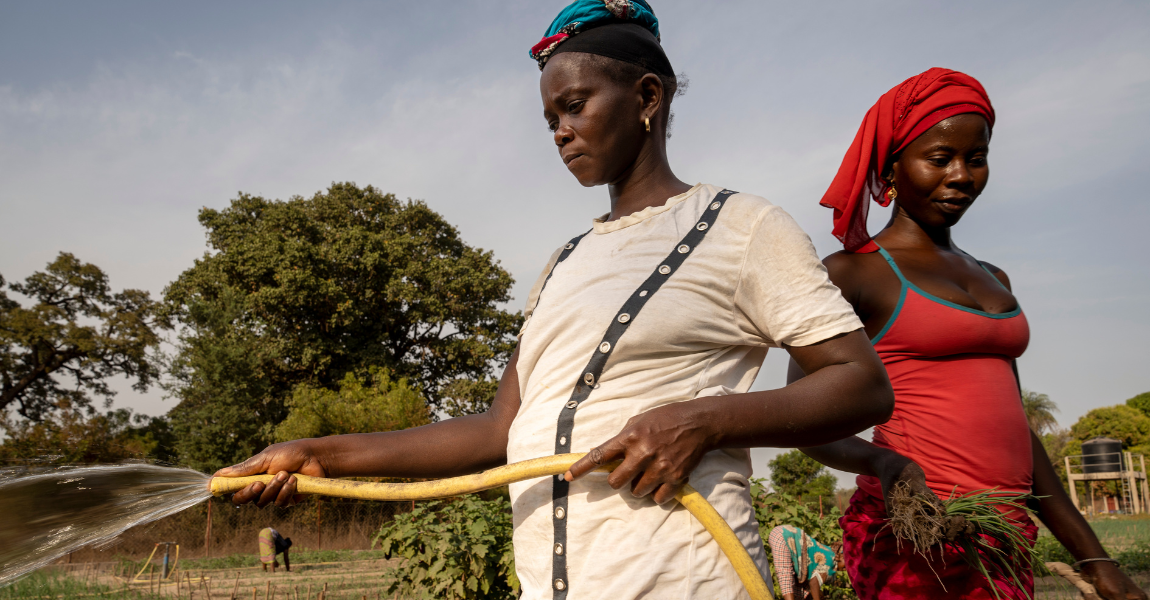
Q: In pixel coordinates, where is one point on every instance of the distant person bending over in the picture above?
(948, 330)
(271, 544)
(642, 339)
(802, 565)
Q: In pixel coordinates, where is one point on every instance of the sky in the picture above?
(119, 120)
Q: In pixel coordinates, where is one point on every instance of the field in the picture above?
(357, 574)
(338, 575)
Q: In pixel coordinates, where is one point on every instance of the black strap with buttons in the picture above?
(594, 369)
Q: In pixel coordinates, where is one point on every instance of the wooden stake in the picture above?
(236, 587)
(318, 524)
(268, 591)
(253, 592)
(208, 530)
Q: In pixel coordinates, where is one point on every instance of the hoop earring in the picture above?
(647, 122)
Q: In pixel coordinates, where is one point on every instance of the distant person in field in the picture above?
(271, 544)
(948, 329)
(802, 564)
(642, 338)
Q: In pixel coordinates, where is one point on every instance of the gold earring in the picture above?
(647, 122)
(891, 193)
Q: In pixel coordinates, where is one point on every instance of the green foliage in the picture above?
(75, 335)
(1140, 402)
(71, 436)
(457, 549)
(305, 291)
(1047, 548)
(50, 583)
(797, 474)
(361, 405)
(777, 508)
(1135, 558)
(774, 508)
(1057, 443)
(468, 396)
(1040, 411)
(1121, 422)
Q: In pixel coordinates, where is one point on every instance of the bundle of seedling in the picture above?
(976, 524)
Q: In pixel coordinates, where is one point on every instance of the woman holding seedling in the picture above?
(643, 336)
(948, 330)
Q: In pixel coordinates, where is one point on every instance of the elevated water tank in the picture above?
(1102, 455)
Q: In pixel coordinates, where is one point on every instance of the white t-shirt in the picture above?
(752, 283)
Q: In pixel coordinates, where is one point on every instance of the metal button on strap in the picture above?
(642, 293)
(664, 269)
(605, 347)
(559, 512)
(563, 441)
(701, 226)
(559, 585)
(715, 205)
(572, 404)
(623, 318)
(568, 246)
(683, 249)
(558, 548)
(589, 378)
(727, 192)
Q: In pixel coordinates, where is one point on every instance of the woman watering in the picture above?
(642, 338)
(948, 330)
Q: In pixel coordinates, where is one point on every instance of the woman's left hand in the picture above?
(1110, 582)
(659, 449)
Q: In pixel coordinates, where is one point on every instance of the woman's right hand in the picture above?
(902, 469)
(281, 460)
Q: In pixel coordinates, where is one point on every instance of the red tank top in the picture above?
(957, 412)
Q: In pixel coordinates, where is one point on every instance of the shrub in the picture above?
(457, 549)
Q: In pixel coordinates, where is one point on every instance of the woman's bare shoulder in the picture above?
(997, 272)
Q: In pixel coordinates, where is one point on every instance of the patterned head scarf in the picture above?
(637, 43)
(900, 115)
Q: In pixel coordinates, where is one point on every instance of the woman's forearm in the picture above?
(858, 456)
(454, 447)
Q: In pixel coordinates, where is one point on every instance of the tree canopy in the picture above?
(305, 291)
(71, 435)
(799, 475)
(1121, 422)
(60, 350)
(362, 404)
(1140, 402)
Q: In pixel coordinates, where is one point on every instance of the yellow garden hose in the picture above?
(691, 499)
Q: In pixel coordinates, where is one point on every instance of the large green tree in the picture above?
(307, 290)
(60, 348)
(799, 475)
(1121, 422)
(1140, 402)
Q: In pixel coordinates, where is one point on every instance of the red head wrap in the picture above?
(899, 116)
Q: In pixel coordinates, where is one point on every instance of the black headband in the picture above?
(627, 42)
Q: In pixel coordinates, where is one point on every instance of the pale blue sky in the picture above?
(119, 120)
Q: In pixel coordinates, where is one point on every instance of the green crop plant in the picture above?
(458, 549)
